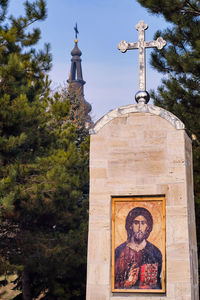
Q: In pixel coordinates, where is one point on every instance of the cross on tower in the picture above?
(141, 45)
(76, 31)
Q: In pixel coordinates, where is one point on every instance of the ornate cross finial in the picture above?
(76, 31)
(142, 95)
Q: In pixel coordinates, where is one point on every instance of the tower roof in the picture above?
(76, 51)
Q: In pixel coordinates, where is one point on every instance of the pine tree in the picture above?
(78, 115)
(55, 220)
(65, 193)
(44, 169)
(180, 63)
(24, 88)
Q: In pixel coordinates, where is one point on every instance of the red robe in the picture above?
(138, 270)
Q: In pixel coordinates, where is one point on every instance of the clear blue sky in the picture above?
(111, 76)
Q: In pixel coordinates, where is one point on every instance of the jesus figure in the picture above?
(138, 263)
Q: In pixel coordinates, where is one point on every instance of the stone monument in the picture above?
(142, 234)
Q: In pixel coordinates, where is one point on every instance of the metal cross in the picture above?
(76, 31)
(141, 45)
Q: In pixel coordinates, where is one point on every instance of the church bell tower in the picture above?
(75, 80)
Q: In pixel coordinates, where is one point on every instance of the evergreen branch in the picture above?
(30, 23)
(19, 31)
(194, 9)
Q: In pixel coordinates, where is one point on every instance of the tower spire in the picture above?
(75, 80)
(76, 76)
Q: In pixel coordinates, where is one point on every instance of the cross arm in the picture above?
(159, 43)
(124, 46)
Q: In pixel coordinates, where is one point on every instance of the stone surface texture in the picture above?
(140, 152)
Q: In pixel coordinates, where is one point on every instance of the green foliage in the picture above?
(179, 61)
(78, 113)
(44, 168)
